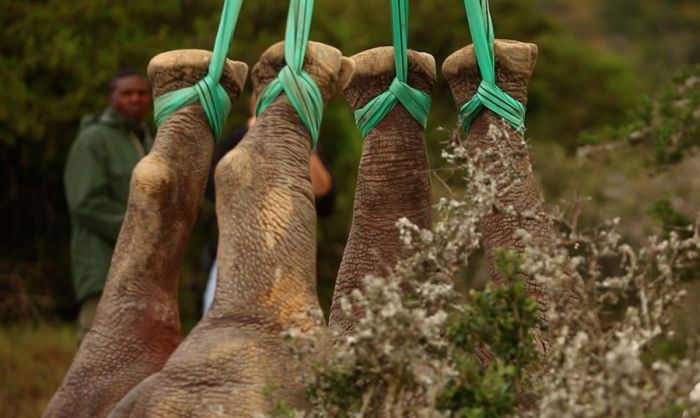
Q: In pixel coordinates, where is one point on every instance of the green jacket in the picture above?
(97, 177)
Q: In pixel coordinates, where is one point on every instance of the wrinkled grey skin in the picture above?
(267, 269)
(515, 63)
(235, 362)
(137, 323)
(236, 355)
(393, 179)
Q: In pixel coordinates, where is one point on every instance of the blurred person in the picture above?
(96, 179)
(321, 182)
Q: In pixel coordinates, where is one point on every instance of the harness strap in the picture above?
(301, 89)
(415, 101)
(488, 95)
(208, 91)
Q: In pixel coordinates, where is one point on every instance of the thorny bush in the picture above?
(669, 121)
(420, 349)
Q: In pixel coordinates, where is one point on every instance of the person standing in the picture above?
(96, 179)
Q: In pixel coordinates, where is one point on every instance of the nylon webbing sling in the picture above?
(300, 88)
(488, 95)
(416, 102)
(211, 95)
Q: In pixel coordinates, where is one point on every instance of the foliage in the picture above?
(674, 222)
(669, 217)
(56, 60)
(607, 367)
(57, 57)
(600, 93)
(417, 351)
(665, 33)
(668, 121)
(653, 35)
(499, 319)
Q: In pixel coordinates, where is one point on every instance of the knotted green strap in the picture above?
(416, 102)
(488, 95)
(208, 91)
(300, 88)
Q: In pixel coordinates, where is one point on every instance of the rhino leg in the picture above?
(515, 62)
(393, 179)
(236, 362)
(137, 323)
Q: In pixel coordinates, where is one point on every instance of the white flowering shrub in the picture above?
(617, 367)
(421, 349)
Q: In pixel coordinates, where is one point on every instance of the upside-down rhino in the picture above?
(134, 363)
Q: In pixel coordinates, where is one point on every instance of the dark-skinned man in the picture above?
(97, 177)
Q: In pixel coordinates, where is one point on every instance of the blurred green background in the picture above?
(599, 63)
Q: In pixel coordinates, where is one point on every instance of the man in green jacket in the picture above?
(97, 177)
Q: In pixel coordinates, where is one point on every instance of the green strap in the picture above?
(488, 95)
(300, 88)
(416, 102)
(208, 91)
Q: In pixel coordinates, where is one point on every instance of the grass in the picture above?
(33, 361)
